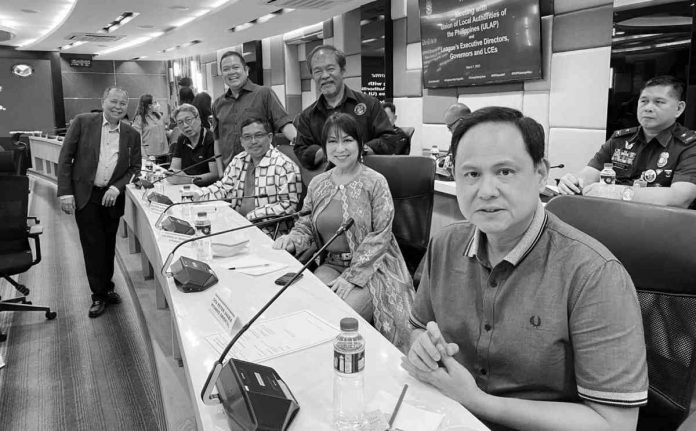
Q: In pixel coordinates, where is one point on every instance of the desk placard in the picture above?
(173, 238)
(157, 208)
(224, 314)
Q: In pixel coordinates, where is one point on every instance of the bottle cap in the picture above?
(608, 165)
(349, 324)
(187, 187)
(202, 214)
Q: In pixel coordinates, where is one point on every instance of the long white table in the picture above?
(309, 372)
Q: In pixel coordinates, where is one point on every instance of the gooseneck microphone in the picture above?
(147, 184)
(235, 229)
(159, 219)
(278, 414)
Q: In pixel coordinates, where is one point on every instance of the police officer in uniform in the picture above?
(660, 151)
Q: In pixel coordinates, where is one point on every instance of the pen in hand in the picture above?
(248, 266)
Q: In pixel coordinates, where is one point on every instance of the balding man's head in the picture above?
(454, 114)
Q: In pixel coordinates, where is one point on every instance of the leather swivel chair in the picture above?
(412, 185)
(15, 251)
(657, 246)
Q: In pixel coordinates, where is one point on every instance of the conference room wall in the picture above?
(83, 87)
(570, 101)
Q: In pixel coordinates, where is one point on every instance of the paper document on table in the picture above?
(249, 264)
(2, 362)
(275, 337)
(409, 418)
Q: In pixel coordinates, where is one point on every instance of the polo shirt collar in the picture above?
(662, 138)
(105, 122)
(523, 247)
(347, 94)
(248, 87)
(201, 136)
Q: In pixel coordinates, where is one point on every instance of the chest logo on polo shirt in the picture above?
(360, 109)
(650, 175)
(535, 321)
(628, 145)
(662, 160)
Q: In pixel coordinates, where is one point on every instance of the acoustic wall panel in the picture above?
(476, 101)
(579, 88)
(572, 147)
(436, 102)
(544, 84)
(409, 111)
(595, 26)
(565, 6)
(414, 59)
(398, 9)
(535, 104)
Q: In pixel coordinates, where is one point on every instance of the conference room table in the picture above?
(309, 372)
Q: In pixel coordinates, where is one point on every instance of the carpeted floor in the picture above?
(74, 373)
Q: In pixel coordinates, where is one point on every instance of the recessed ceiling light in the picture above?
(179, 7)
(29, 11)
(146, 27)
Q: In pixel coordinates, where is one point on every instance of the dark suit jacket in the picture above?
(79, 156)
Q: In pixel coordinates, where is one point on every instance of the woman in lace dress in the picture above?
(364, 266)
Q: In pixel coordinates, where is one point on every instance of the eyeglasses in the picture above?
(254, 138)
(188, 121)
(453, 124)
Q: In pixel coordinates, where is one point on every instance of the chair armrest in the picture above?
(35, 219)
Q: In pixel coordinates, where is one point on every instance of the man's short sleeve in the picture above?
(685, 171)
(606, 329)
(209, 146)
(176, 151)
(422, 310)
(277, 115)
(601, 157)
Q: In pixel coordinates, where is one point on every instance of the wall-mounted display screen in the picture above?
(473, 42)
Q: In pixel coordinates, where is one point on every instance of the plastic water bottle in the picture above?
(434, 152)
(607, 179)
(349, 378)
(186, 196)
(204, 245)
(608, 174)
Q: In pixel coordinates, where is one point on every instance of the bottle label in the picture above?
(204, 227)
(608, 179)
(349, 363)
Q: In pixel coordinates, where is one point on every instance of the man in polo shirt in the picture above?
(243, 99)
(327, 65)
(526, 321)
(660, 151)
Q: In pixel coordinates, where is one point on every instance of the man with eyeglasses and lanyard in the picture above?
(261, 181)
(194, 145)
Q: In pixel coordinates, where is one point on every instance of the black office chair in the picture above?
(412, 184)
(283, 145)
(15, 252)
(657, 246)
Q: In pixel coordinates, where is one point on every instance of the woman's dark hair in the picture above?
(531, 131)
(185, 95)
(203, 103)
(345, 123)
(145, 101)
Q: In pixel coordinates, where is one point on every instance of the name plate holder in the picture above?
(222, 312)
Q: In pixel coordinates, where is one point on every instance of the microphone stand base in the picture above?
(252, 406)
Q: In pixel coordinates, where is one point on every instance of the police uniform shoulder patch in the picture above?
(687, 136)
(624, 132)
